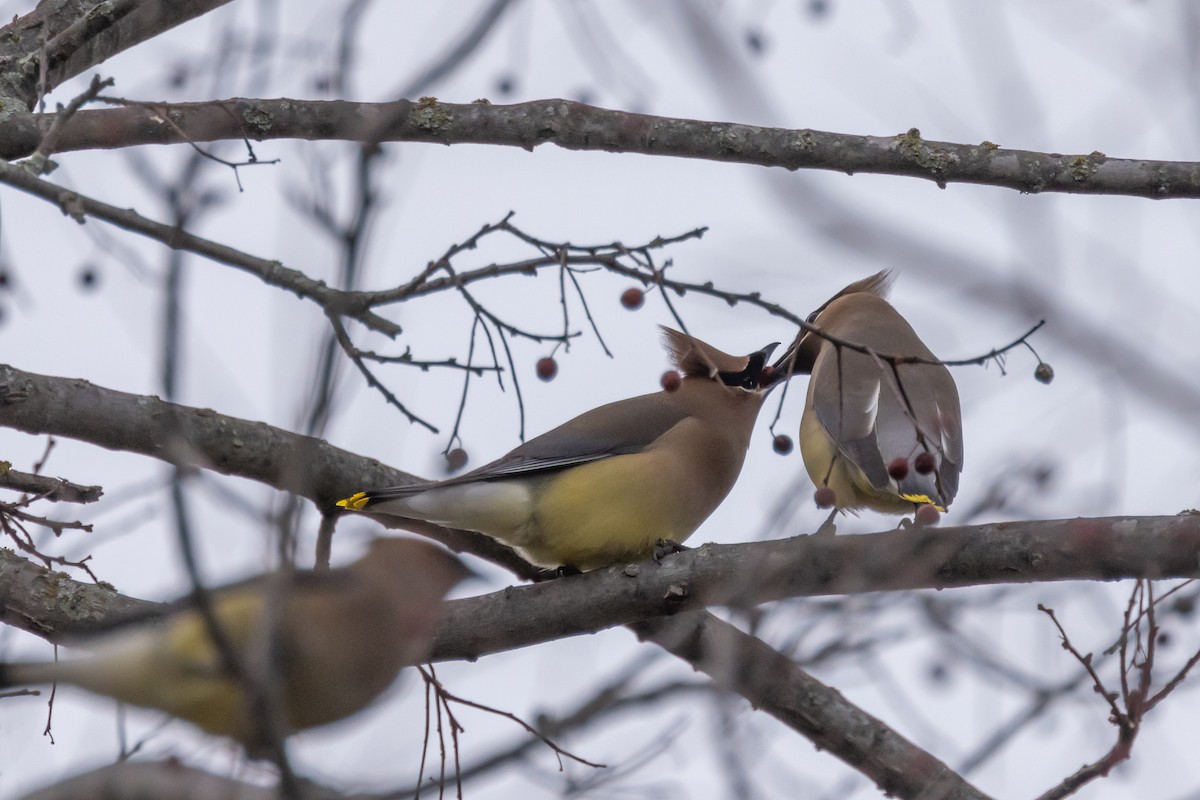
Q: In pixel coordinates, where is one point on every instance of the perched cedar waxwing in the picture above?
(340, 638)
(621, 482)
(876, 442)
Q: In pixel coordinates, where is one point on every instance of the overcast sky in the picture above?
(1115, 278)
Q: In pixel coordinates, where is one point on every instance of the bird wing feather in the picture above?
(848, 410)
(620, 428)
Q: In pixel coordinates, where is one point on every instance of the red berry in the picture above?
(927, 516)
(633, 298)
(924, 463)
(782, 444)
(671, 380)
(825, 497)
(547, 368)
(898, 469)
(456, 459)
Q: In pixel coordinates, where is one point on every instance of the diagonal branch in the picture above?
(59, 40)
(273, 273)
(772, 682)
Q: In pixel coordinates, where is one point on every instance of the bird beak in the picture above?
(786, 366)
(767, 376)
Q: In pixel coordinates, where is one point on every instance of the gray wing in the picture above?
(930, 390)
(846, 397)
(868, 416)
(620, 428)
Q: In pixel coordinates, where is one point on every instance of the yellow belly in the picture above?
(614, 510)
(177, 669)
(829, 467)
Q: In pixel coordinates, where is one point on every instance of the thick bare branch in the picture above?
(52, 605)
(127, 780)
(739, 575)
(178, 434)
(773, 683)
(576, 126)
(63, 38)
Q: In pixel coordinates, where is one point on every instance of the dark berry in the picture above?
(898, 469)
(782, 444)
(671, 380)
(825, 497)
(456, 459)
(924, 463)
(1044, 373)
(633, 298)
(547, 368)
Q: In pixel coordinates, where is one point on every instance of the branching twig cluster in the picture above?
(1136, 648)
(438, 705)
(14, 517)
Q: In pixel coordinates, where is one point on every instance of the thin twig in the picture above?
(39, 162)
(448, 697)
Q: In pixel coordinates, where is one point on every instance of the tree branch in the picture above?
(59, 40)
(53, 489)
(737, 575)
(128, 780)
(273, 273)
(576, 126)
(645, 594)
(773, 683)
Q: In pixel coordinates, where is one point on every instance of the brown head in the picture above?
(802, 354)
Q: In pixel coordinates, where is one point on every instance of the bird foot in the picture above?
(827, 527)
(564, 571)
(666, 547)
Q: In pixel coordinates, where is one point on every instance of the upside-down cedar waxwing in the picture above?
(880, 436)
(621, 482)
(340, 638)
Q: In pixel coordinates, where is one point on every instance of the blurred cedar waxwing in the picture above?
(615, 482)
(877, 443)
(341, 638)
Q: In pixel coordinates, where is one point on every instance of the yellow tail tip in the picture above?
(920, 499)
(354, 502)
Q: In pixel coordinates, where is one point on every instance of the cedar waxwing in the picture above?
(341, 637)
(622, 482)
(863, 434)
